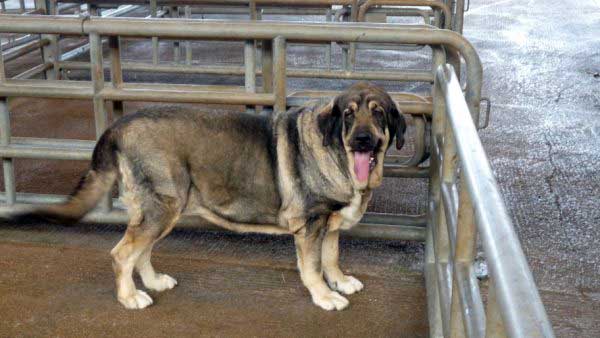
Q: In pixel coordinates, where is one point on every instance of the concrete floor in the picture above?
(541, 68)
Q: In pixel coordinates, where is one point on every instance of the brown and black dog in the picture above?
(308, 172)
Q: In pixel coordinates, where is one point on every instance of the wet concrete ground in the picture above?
(541, 65)
(541, 68)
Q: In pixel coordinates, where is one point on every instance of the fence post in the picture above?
(279, 79)
(116, 73)
(434, 297)
(100, 117)
(155, 51)
(50, 52)
(7, 163)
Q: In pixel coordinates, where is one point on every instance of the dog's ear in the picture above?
(396, 124)
(329, 121)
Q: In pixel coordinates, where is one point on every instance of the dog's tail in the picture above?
(96, 183)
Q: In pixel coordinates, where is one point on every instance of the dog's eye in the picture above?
(378, 110)
(348, 112)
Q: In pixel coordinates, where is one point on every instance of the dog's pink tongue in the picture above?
(361, 165)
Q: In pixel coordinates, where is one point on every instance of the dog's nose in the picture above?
(363, 138)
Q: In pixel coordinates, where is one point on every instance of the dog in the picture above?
(308, 172)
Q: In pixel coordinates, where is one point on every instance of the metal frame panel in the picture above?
(514, 306)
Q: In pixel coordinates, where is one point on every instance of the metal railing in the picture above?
(457, 211)
(465, 201)
(273, 35)
(442, 14)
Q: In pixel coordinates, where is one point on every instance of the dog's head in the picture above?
(363, 120)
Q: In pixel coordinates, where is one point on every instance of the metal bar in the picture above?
(61, 9)
(459, 16)
(119, 11)
(7, 165)
(55, 142)
(494, 325)
(520, 305)
(350, 55)
(392, 75)
(131, 92)
(454, 60)
(279, 74)
(156, 93)
(100, 116)
(44, 152)
(155, 46)
(116, 73)
(436, 287)
(97, 72)
(49, 89)
(433, 300)
(243, 10)
(391, 219)
(267, 66)
(450, 201)
(135, 92)
(467, 307)
(434, 4)
(23, 49)
(390, 170)
(188, 43)
(419, 153)
(174, 11)
(250, 70)
(328, 49)
(33, 71)
(118, 216)
(440, 230)
(238, 30)
(298, 3)
(403, 232)
(407, 107)
(14, 42)
(49, 51)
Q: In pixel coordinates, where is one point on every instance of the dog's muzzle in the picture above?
(364, 146)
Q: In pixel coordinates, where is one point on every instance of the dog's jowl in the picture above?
(308, 172)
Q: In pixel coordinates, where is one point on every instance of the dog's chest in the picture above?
(352, 213)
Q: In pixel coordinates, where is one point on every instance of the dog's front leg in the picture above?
(333, 274)
(308, 250)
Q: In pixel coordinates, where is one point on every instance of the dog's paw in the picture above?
(330, 301)
(346, 285)
(162, 282)
(138, 300)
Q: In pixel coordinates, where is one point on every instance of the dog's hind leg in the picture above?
(151, 279)
(155, 219)
(308, 250)
(155, 197)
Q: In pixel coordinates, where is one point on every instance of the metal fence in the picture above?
(441, 13)
(513, 305)
(274, 37)
(465, 201)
